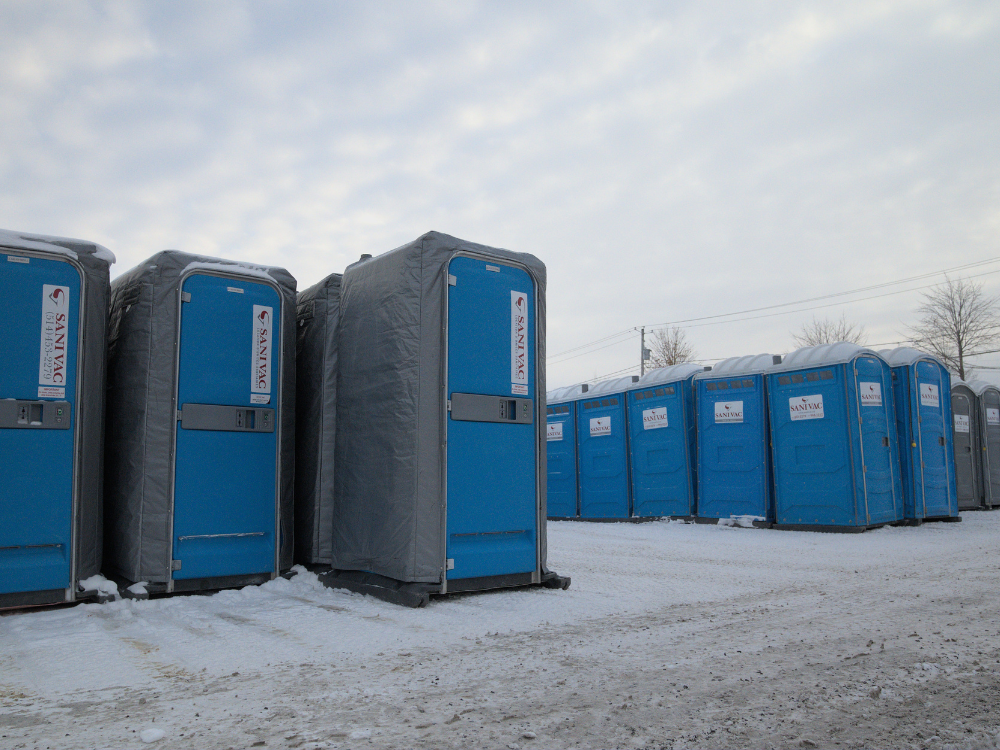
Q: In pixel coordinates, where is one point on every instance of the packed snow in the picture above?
(672, 635)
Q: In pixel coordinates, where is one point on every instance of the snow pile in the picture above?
(100, 583)
(151, 735)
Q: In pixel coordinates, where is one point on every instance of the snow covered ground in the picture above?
(672, 635)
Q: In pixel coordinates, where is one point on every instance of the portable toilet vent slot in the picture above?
(52, 387)
(920, 386)
(662, 446)
(833, 436)
(432, 501)
(200, 429)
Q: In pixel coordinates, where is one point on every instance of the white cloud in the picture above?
(666, 162)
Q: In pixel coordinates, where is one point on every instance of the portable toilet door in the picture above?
(226, 459)
(921, 385)
(199, 490)
(965, 415)
(51, 415)
(734, 466)
(492, 453)
(834, 442)
(560, 437)
(602, 440)
(662, 442)
(988, 396)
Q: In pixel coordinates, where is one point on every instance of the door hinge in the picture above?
(175, 564)
(185, 296)
(449, 564)
(452, 281)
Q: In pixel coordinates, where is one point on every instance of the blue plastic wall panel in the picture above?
(879, 443)
(225, 489)
(923, 419)
(602, 440)
(661, 427)
(40, 339)
(816, 447)
(933, 404)
(561, 446)
(491, 475)
(830, 467)
(734, 468)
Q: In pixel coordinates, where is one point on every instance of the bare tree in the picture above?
(956, 321)
(669, 346)
(828, 331)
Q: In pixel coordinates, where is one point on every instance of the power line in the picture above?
(836, 294)
(596, 349)
(597, 341)
(820, 307)
(628, 331)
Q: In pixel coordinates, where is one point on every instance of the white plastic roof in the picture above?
(752, 363)
(614, 385)
(980, 386)
(564, 394)
(824, 354)
(957, 382)
(905, 355)
(670, 374)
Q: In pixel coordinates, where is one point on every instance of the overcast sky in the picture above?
(667, 161)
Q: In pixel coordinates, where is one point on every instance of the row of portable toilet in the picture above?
(976, 407)
(835, 436)
(196, 424)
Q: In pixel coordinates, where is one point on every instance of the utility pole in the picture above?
(643, 351)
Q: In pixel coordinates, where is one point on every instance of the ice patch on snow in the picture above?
(151, 735)
(361, 734)
(100, 583)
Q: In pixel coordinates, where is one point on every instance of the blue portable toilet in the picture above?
(52, 384)
(440, 482)
(200, 450)
(602, 442)
(835, 452)
(662, 448)
(988, 397)
(967, 437)
(921, 388)
(734, 460)
(560, 440)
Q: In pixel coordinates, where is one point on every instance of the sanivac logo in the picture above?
(929, 395)
(600, 426)
(260, 376)
(871, 393)
(519, 343)
(654, 419)
(728, 412)
(55, 339)
(806, 407)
